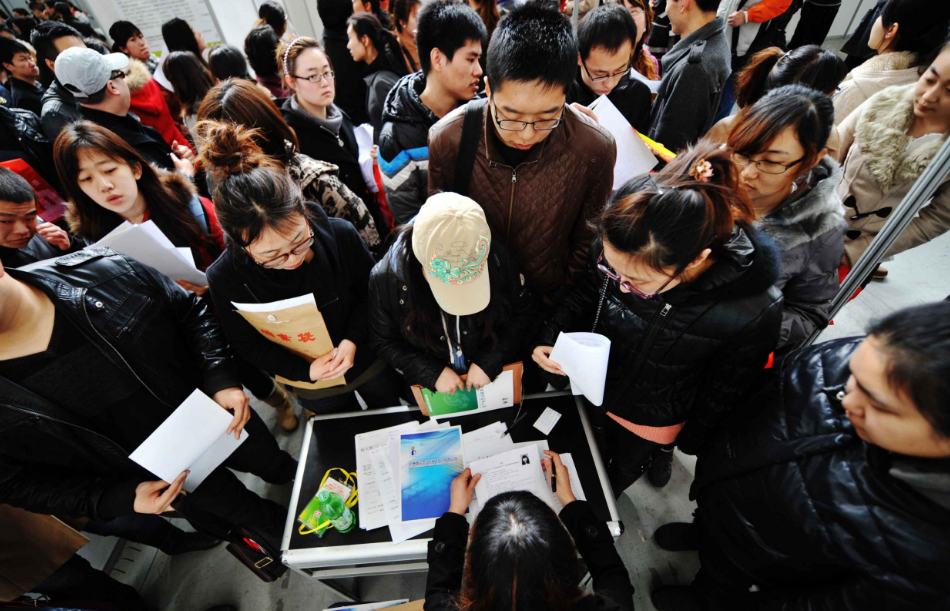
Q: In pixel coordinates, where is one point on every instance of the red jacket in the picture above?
(148, 104)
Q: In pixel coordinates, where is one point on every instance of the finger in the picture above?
(152, 487)
(469, 384)
(475, 479)
(175, 158)
(172, 491)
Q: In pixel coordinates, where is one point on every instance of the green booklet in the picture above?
(440, 404)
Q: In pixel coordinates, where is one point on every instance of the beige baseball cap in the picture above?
(451, 240)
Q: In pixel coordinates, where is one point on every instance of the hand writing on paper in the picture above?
(462, 491)
(564, 493)
(585, 111)
(54, 235)
(540, 356)
(320, 367)
(476, 378)
(341, 363)
(194, 288)
(736, 19)
(449, 382)
(235, 399)
(157, 497)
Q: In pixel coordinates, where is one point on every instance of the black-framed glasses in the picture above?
(116, 74)
(605, 269)
(766, 167)
(296, 251)
(316, 78)
(508, 125)
(601, 79)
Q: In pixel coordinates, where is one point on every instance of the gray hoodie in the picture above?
(809, 229)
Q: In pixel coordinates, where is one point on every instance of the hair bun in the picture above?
(228, 149)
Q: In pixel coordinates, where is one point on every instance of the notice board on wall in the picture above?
(149, 16)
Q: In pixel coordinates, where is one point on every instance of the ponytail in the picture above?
(385, 43)
(253, 192)
(772, 68)
(668, 219)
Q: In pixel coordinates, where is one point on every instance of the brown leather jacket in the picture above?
(543, 208)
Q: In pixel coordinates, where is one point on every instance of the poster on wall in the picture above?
(149, 16)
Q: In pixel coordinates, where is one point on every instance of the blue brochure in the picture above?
(428, 462)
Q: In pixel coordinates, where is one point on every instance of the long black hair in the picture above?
(385, 43)
(423, 326)
(179, 36)
(772, 68)
(521, 557)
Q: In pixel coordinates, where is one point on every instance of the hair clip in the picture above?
(287, 52)
(702, 172)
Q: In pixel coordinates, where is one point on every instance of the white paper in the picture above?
(392, 505)
(364, 140)
(518, 469)
(372, 512)
(146, 243)
(634, 157)
(273, 306)
(486, 442)
(653, 85)
(194, 437)
(186, 254)
(498, 394)
(583, 357)
(547, 420)
(576, 487)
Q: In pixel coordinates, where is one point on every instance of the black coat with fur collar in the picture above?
(690, 354)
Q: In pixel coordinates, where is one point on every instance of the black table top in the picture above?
(332, 445)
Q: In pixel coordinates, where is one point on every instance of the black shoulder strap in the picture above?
(471, 128)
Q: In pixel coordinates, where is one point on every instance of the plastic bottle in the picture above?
(334, 509)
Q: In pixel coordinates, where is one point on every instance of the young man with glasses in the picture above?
(542, 170)
(449, 37)
(98, 83)
(606, 39)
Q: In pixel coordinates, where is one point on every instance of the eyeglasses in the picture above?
(601, 79)
(516, 126)
(636, 12)
(316, 78)
(766, 167)
(605, 269)
(297, 250)
(117, 74)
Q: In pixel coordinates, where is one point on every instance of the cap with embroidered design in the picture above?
(451, 239)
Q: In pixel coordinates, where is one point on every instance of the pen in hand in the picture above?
(553, 477)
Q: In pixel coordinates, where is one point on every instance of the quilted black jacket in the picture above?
(815, 517)
(690, 354)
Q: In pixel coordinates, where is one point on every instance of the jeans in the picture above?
(381, 391)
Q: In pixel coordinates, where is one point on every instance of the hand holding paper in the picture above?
(583, 357)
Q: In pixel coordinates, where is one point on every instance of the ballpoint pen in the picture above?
(553, 477)
(518, 417)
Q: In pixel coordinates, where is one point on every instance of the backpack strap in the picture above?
(198, 210)
(468, 148)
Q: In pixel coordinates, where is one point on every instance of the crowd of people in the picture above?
(488, 225)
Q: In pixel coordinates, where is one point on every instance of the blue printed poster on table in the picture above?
(428, 462)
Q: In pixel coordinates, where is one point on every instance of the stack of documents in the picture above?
(405, 472)
(634, 157)
(147, 244)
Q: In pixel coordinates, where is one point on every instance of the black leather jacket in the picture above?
(22, 131)
(50, 461)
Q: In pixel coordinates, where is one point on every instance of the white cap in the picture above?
(451, 239)
(85, 72)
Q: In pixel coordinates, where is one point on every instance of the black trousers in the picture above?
(78, 581)
(222, 494)
(814, 25)
(629, 456)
